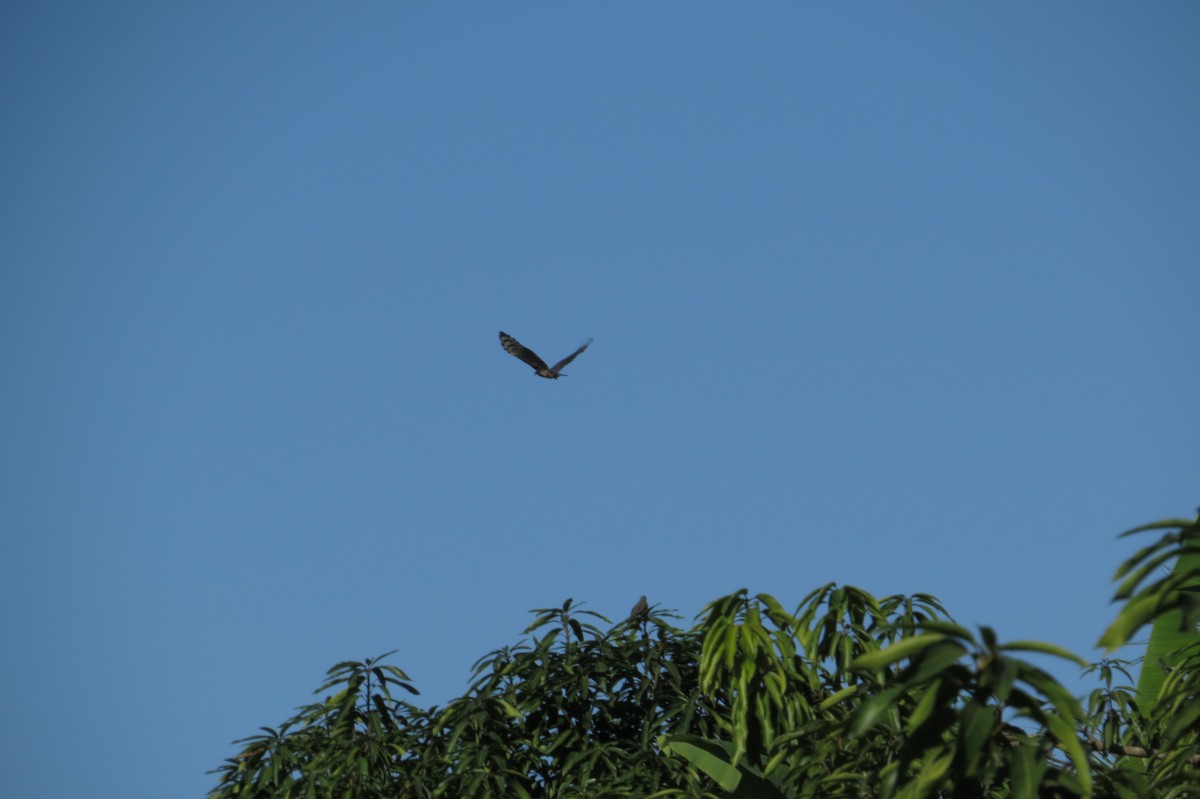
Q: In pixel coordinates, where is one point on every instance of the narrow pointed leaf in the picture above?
(905, 648)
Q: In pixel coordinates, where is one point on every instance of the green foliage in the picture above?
(714, 759)
(349, 744)
(1170, 603)
(574, 711)
(847, 695)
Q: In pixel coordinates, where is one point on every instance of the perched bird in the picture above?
(514, 347)
(640, 610)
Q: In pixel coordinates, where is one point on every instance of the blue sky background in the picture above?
(896, 295)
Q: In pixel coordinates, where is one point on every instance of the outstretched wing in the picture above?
(569, 358)
(514, 347)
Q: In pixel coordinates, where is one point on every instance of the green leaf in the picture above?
(1169, 634)
(904, 648)
(1064, 702)
(1027, 769)
(950, 629)
(924, 707)
(933, 661)
(868, 713)
(933, 769)
(1184, 721)
(835, 698)
(1045, 649)
(1064, 731)
(1137, 611)
(1129, 585)
(1165, 524)
(977, 722)
(711, 758)
(775, 611)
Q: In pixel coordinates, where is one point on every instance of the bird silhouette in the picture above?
(640, 610)
(514, 347)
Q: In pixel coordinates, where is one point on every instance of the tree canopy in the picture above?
(847, 695)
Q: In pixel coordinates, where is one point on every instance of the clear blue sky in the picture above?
(896, 295)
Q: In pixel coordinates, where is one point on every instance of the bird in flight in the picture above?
(514, 347)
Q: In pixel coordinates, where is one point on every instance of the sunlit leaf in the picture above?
(905, 648)
(1045, 649)
(869, 712)
(711, 758)
(936, 659)
(837, 697)
(1064, 732)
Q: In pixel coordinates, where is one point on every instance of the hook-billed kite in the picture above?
(514, 347)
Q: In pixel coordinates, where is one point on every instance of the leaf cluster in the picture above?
(846, 695)
(574, 710)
